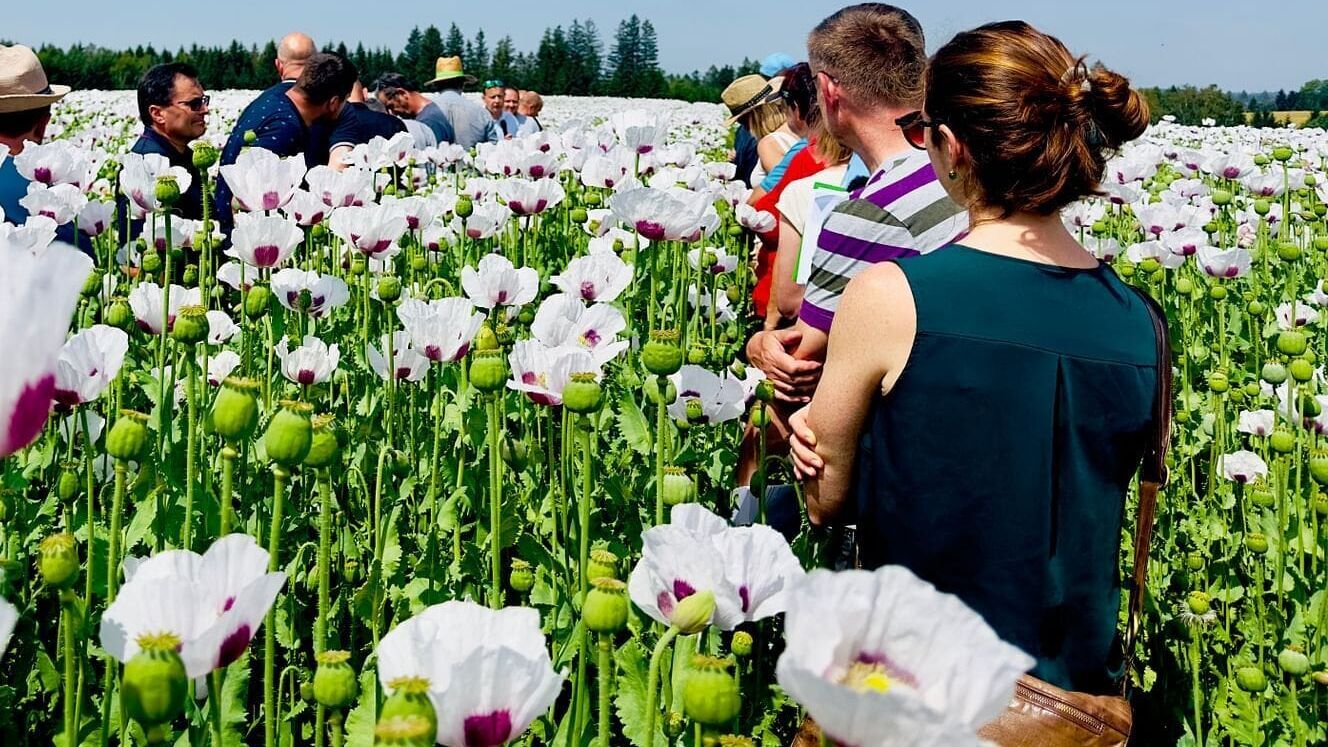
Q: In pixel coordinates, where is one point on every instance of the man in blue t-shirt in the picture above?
(290, 120)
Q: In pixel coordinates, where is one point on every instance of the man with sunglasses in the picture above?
(494, 92)
(174, 109)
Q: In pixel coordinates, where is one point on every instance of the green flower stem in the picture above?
(214, 707)
(759, 479)
(334, 724)
(279, 478)
(495, 506)
(605, 667)
(433, 539)
(1197, 692)
(163, 403)
(583, 509)
(320, 721)
(90, 488)
(228, 455)
(69, 618)
(661, 422)
(191, 447)
(117, 510)
(324, 560)
(652, 682)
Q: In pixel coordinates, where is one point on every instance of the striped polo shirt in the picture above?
(902, 211)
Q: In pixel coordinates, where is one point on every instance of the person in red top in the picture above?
(799, 96)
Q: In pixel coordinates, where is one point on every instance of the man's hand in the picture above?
(802, 447)
(794, 380)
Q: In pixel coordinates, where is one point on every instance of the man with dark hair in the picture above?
(174, 109)
(494, 93)
(471, 124)
(400, 96)
(358, 125)
(298, 121)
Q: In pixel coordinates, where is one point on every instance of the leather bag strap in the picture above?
(1152, 476)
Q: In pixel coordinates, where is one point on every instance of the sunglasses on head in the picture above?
(494, 83)
(914, 126)
(196, 104)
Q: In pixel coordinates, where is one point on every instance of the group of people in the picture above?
(956, 379)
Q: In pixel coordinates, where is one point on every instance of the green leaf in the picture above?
(630, 702)
(364, 716)
(234, 697)
(633, 425)
(684, 648)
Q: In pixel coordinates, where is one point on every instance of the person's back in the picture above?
(433, 118)
(988, 436)
(471, 123)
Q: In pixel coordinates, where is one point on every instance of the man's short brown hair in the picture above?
(877, 52)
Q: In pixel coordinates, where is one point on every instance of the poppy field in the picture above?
(441, 449)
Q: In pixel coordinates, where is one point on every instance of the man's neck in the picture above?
(879, 139)
(15, 143)
(178, 145)
(417, 103)
(302, 106)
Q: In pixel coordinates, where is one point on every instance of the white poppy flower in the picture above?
(497, 282)
(595, 277)
(757, 559)
(1243, 466)
(563, 320)
(313, 362)
(675, 564)
(372, 229)
(542, 372)
(147, 299)
(325, 292)
(260, 180)
(1228, 263)
(441, 329)
(264, 241)
(88, 363)
(61, 203)
(721, 398)
(221, 365)
(407, 363)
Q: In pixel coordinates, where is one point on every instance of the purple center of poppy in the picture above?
(588, 290)
(517, 207)
(529, 377)
(487, 730)
(461, 352)
(42, 174)
(403, 372)
(536, 171)
(233, 645)
(271, 200)
(540, 205)
(306, 377)
(474, 233)
(380, 245)
(892, 668)
(1230, 172)
(30, 411)
(266, 255)
(433, 352)
(650, 229)
(746, 597)
(502, 296)
(682, 589)
(591, 337)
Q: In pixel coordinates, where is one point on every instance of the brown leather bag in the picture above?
(1043, 715)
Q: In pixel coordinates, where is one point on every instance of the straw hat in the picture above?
(449, 68)
(23, 84)
(747, 93)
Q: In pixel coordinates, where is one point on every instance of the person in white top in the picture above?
(528, 111)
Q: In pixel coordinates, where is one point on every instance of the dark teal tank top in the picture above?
(997, 467)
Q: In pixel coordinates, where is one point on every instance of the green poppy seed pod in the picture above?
(289, 434)
(1282, 153)
(1292, 342)
(1125, 269)
(403, 731)
(741, 644)
(1217, 382)
(464, 207)
(488, 371)
(1262, 497)
(695, 411)
(257, 302)
(250, 137)
(1261, 160)
(191, 271)
(119, 314)
(696, 355)
(1198, 602)
(592, 199)
(1321, 243)
(1194, 561)
(515, 453)
(583, 393)
(1293, 661)
(324, 448)
(579, 215)
(1252, 389)
(358, 266)
(1274, 373)
(1282, 441)
(606, 606)
(1319, 466)
(734, 231)
(155, 683)
(526, 316)
(661, 390)
(692, 615)
(1301, 370)
(1309, 405)
(418, 263)
(151, 262)
(410, 699)
(603, 564)
(1184, 286)
(335, 684)
(67, 487)
(1217, 292)
(760, 415)
(57, 561)
(235, 410)
(506, 334)
(678, 486)
(1319, 210)
(92, 286)
(1256, 543)
(389, 288)
(190, 326)
(522, 576)
(661, 355)
(1288, 251)
(710, 694)
(1211, 227)
(167, 190)
(1320, 678)
(205, 155)
(1251, 679)
(128, 438)
(734, 740)
(1262, 207)
(1149, 265)
(1320, 504)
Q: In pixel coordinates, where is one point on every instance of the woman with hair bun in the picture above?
(987, 435)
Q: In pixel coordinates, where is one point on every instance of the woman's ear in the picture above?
(953, 153)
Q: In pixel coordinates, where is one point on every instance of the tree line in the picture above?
(571, 60)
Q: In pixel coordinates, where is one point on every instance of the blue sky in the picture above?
(1237, 44)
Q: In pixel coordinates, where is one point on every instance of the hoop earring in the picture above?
(953, 175)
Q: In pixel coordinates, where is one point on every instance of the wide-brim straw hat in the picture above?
(449, 68)
(23, 84)
(748, 92)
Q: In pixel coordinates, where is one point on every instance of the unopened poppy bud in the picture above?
(167, 190)
(741, 644)
(335, 684)
(1256, 542)
(289, 434)
(155, 683)
(661, 390)
(488, 371)
(235, 410)
(696, 355)
(68, 485)
(257, 302)
(522, 576)
(119, 314)
(710, 694)
(128, 438)
(515, 453)
(57, 561)
(692, 615)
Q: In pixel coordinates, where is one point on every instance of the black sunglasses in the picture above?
(914, 126)
(196, 104)
(494, 83)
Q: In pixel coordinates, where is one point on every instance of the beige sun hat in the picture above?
(748, 92)
(23, 84)
(449, 68)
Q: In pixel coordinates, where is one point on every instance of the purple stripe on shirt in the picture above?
(892, 192)
(815, 316)
(832, 242)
